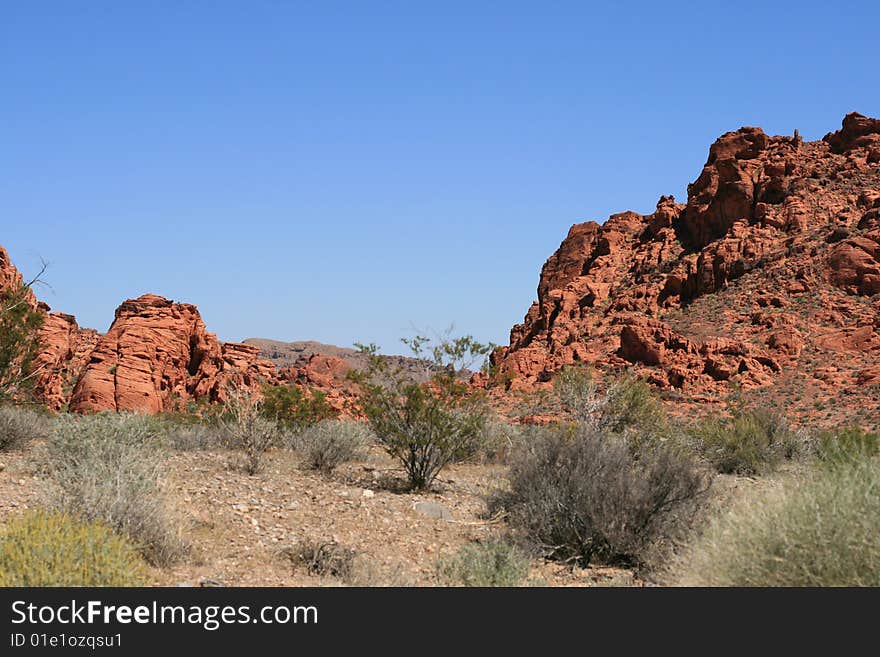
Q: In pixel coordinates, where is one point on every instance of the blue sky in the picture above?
(340, 171)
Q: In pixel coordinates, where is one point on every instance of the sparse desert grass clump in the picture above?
(497, 440)
(41, 548)
(330, 443)
(494, 563)
(248, 429)
(579, 495)
(108, 468)
(846, 445)
(821, 530)
(195, 436)
(19, 426)
(750, 442)
(323, 558)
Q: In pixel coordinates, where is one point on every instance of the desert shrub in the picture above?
(20, 322)
(195, 436)
(484, 564)
(247, 428)
(750, 442)
(632, 405)
(846, 445)
(323, 558)
(579, 393)
(294, 409)
(19, 426)
(424, 426)
(497, 440)
(331, 443)
(108, 468)
(579, 495)
(819, 530)
(626, 406)
(52, 549)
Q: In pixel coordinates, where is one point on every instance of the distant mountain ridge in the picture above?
(293, 354)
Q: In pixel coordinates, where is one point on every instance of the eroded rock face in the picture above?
(66, 349)
(751, 282)
(327, 374)
(158, 355)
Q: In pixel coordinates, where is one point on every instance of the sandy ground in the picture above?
(239, 525)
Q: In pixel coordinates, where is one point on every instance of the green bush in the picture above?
(626, 406)
(580, 495)
(424, 426)
(748, 443)
(484, 564)
(19, 426)
(822, 530)
(51, 549)
(295, 409)
(846, 445)
(108, 468)
(331, 443)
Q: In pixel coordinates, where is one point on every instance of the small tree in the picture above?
(20, 323)
(424, 425)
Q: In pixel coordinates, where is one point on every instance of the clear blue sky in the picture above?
(340, 170)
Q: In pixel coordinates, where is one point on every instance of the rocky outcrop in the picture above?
(10, 278)
(328, 375)
(857, 132)
(63, 345)
(65, 350)
(777, 246)
(158, 355)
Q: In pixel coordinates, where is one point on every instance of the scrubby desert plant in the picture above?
(493, 563)
(579, 495)
(818, 530)
(20, 322)
(323, 558)
(424, 426)
(331, 443)
(749, 442)
(296, 409)
(497, 439)
(195, 436)
(580, 394)
(247, 428)
(625, 406)
(51, 549)
(108, 468)
(846, 445)
(19, 426)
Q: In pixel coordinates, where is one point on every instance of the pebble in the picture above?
(368, 493)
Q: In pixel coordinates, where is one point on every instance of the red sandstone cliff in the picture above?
(767, 277)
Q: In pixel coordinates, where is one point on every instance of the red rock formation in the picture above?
(66, 349)
(10, 277)
(751, 282)
(158, 354)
